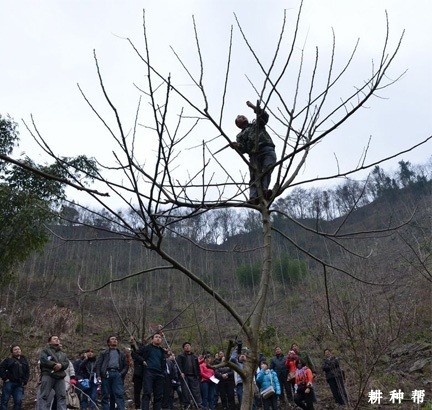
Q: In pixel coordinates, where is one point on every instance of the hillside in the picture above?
(382, 332)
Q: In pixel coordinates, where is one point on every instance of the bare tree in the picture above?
(166, 197)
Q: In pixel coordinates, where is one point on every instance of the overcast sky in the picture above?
(47, 48)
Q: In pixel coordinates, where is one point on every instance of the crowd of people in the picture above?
(163, 380)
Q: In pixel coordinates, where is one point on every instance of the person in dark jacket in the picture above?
(15, 372)
(278, 365)
(111, 369)
(87, 380)
(138, 368)
(334, 376)
(53, 365)
(190, 376)
(255, 141)
(154, 368)
(226, 387)
(172, 383)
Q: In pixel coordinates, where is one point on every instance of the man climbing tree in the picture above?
(255, 141)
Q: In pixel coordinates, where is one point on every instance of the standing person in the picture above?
(172, 383)
(239, 358)
(218, 359)
(76, 363)
(308, 362)
(53, 365)
(254, 140)
(335, 377)
(87, 380)
(138, 369)
(111, 369)
(278, 365)
(290, 364)
(266, 378)
(15, 372)
(208, 387)
(190, 376)
(154, 368)
(304, 397)
(226, 387)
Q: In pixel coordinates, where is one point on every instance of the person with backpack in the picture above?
(87, 381)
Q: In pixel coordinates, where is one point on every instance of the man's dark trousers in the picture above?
(153, 383)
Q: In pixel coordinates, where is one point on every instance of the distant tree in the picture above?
(289, 270)
(406, 174)
(381, 184)
(29, 200)
(249, 275)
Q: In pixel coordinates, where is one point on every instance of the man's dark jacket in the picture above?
(182, 362)
(146, 351)
(16, 370)
(278, 365)
(103, 361)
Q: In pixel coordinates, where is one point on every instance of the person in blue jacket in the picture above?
(265, 378)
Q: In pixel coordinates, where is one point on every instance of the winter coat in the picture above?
(49, 357)
(304, 377)
(172, 372)
(221, 371)
(154, 357)
(103, 361)
(247, 138)
(278, 365)
(234, 358)
(87, 368)
(331, 368)
(290, 362)
(267, 378)
(206, 372)
(181, 361)
(16, 370)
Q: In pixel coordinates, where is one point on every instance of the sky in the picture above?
(47, 49)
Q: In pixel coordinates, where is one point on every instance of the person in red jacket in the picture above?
(303, 386)
(290, 364)
(208, 387)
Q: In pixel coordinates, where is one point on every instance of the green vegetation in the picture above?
(249, 275)
(288, 270)
(285, 270)
(29, 201)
